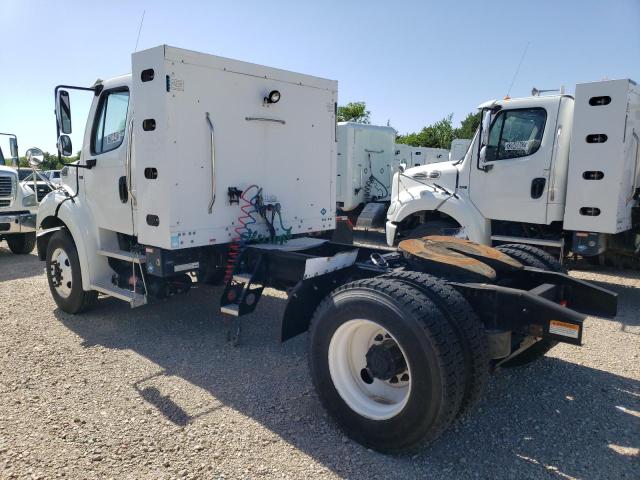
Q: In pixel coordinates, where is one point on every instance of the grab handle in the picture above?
(213, 165)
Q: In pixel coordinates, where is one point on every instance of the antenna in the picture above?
(518, 69)
(139, 30)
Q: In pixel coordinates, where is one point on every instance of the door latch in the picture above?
(537, 187)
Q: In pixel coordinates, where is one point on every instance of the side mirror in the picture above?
(13, 146)
(486, 125)
(35, 157)
(65, 147)
(63, 111)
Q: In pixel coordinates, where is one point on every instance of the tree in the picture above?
(437, 135)
(468, 126)
(354, 112)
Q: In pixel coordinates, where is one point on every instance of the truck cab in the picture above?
(18, 204)
(518, 173)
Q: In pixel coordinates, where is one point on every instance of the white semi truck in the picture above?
(552, 171)
(18, 204)
(196, 167)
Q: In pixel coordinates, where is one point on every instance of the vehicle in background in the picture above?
(368, 157)
(554, 171)
(459, 147)
(18, 204)
(54, 176)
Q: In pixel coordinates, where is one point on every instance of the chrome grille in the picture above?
(6, 186)
(5, 203)
(43, 190)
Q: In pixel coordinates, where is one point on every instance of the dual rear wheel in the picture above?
(390, 365)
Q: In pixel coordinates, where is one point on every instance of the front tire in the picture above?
(65, 276)
(21, 243)
(386, 364)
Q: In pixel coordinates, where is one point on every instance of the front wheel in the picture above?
(386, 364)
(65, 276)
(21, 243)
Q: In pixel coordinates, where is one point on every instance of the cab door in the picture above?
(510, 181)
(106, 182)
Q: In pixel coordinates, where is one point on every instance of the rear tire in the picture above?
(355, 318)
(65, 276)
(465, 323)
(550, 262)
(21, 243)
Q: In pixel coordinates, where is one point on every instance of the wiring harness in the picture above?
(244, 234)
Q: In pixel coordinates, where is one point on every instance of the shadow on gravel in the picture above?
(14, 267)
(553, 419)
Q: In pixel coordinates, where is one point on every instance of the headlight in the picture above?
(30, 201)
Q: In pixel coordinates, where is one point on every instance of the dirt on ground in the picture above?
(157, 392)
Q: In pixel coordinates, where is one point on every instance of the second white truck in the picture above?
(553, 171)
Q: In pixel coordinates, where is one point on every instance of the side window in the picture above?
(516, 133)
(110, 122)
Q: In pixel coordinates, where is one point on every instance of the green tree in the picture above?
(468, 126)
(437, 135)
(354, 112)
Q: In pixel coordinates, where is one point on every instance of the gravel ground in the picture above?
(157, 393)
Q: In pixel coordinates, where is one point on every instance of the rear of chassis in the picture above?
(402, 343)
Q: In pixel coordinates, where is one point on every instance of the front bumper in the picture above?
(17, 223)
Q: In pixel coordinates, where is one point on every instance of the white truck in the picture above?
(553, 171)
(196, 165)
(18, 204)
(459, 147)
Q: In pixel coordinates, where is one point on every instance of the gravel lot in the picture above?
(157, 393)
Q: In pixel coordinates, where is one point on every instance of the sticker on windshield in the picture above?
(112, 138)
(522, 145)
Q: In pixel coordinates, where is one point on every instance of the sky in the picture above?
(412, 62)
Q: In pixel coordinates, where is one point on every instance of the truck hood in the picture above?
(7, 169)
(444, 174)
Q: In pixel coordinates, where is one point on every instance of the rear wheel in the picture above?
(386, 364)
(465, 323)
(21, 243)
(64, 275)
(549, 261)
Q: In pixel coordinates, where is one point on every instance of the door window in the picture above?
(110, 122)
(516, 133)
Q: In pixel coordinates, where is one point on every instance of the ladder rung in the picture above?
(242, 277)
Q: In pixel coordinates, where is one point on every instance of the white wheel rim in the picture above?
(380, 399)
(61, 264)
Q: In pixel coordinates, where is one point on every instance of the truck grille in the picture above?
(6, 186)
(5, 203)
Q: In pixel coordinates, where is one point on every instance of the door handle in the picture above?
(123, 190)
(537, 187)
(89, 164)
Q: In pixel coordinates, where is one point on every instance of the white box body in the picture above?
(459, 147)
(287, 148)
(603, 175)
(363, 149)
(425, 155)
(402, 156)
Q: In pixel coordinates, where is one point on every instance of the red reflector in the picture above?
(564, 303)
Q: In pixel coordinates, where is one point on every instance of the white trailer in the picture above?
(195, 166)
(553, 171)
(459, 147)
(425, 155)
(366, 158)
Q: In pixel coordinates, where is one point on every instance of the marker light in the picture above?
(273, 97)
